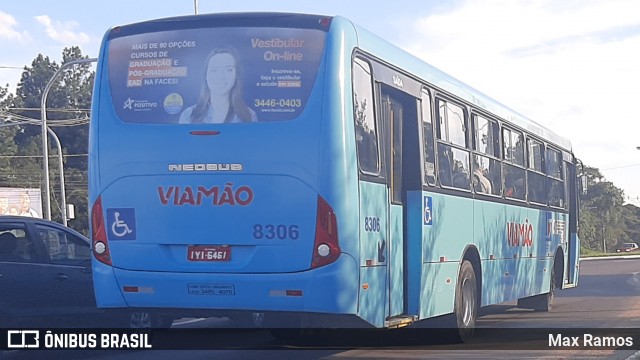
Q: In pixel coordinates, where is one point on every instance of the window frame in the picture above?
(510, 161)
(561, 179)
(373, 112)
(426, 150)
(442, 144)
(493, 157)
(536, 174)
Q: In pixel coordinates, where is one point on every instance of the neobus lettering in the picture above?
(205, 167)
(175, 195)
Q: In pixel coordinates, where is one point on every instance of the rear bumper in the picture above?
(330, 289)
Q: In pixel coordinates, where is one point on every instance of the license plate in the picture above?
(211, 289)
(208, 253)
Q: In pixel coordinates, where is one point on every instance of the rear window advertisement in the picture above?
(214, 75)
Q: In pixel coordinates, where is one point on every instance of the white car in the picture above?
(628, 247)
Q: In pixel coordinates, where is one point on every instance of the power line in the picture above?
(48, 109)
(39, 156)
(14, 119)
(620, 167)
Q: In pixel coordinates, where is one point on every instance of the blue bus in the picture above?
(298, 171)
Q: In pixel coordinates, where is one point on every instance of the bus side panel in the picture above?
(438, 286)
(516, 251)
(489, 227)
(371, 302)
(373, 252)
(445, 236)
(535, 262)
(417, 216)
(107, 289)
(574, 262)
(396, 261)
(451, 228)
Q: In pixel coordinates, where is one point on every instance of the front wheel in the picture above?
(466, 301)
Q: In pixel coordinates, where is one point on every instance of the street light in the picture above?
(45, 146)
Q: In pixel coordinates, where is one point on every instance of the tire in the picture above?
(542, 302)
(466, 302)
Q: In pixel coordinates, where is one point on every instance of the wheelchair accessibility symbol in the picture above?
(427, 212)
(122, 224)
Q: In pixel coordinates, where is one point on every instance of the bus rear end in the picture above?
(204, 169)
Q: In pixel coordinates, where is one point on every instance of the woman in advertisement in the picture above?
(221, 99)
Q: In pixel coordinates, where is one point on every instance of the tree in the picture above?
(73, 99)
(67, 110)
(8, 147)
(602, 215)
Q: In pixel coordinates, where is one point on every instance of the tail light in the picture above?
(325, 248)
(99, 234)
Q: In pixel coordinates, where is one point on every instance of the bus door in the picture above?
(393, 120)
(573, 246)
(381, 133)
(402, 172)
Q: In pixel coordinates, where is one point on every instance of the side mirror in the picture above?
(583, 184)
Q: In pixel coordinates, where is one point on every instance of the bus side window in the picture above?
(555, 181)
(481, 180)
(427, 140)
(366, 132)
(513, 153)
(444, 165)
(514, 182)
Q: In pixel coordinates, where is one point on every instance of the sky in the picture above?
(570, 65)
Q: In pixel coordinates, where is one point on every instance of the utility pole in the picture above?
(45, 145)
(604, 232)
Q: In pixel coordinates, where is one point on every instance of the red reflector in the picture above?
(294, 292)
(204, 132)
(442, 259)
(130, 289)
(99, 234)
(325, 21)
(326, 248)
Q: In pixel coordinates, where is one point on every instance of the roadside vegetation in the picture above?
(606, 222)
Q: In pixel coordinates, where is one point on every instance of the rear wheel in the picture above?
(466, 301)
(542, 302)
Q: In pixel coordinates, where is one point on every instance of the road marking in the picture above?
(187, 321)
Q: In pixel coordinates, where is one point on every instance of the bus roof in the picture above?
(375, 45)
(229, 19)
(368, 42)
